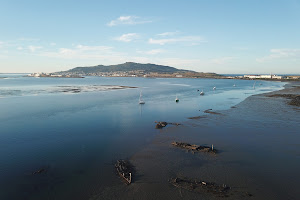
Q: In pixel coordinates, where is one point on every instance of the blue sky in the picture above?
(224, 36)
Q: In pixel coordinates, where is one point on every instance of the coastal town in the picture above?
(52, 75)
(141, 73)
(267, 77)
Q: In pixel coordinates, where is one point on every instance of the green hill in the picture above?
(125, 67)
(136, 69)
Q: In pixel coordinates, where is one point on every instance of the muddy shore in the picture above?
(260, 144)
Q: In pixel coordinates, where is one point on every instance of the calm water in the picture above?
(77, 136)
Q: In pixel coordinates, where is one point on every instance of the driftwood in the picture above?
(295, 98)
(160, 125)
(125, 170)
(195, 148)
(201, 186)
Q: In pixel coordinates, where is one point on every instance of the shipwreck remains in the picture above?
(125, 170)
(160, 125)
(195, 148)
(201, 186)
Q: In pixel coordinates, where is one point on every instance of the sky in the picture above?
(221, 36)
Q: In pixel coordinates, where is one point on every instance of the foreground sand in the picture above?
(259, 145)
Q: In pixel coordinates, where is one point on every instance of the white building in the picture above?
(252, 76)
(271, 76)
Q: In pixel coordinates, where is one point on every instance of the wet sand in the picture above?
(259, 156)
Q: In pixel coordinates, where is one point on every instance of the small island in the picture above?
(131, 69)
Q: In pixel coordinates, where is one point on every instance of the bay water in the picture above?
(77, 134)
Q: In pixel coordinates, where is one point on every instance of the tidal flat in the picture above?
(64, 145)
(259, 157)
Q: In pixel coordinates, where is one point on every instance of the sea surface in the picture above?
(76, 128)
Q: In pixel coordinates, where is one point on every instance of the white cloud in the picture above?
(185, 39)
(34, 48)
(168, 34)
(128, 20)
(20, 48)
(128, 37)
(281, 54)
(223, 60)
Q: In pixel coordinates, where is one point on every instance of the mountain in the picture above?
(135, 69)
(126, 67)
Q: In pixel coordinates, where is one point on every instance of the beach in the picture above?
(258, 143)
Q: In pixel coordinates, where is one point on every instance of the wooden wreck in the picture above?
(194, 147)
(201, 186)
(124, 170)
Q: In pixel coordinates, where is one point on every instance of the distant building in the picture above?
(265, 76)
(293, 77)
(277, 77)
(252, 76)
(271, 76)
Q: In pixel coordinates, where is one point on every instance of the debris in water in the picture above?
(195, 148)
(125, 170)
(201, 186)
(160, 125)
